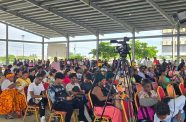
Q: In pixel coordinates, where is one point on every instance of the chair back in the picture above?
(49, 101)
(46, 85)
(160, 92)
(182, 89)
(25, 97)
(128, 110)
(136, 100)
(90, 99)
(170, 91)
(154, 85)
(139, 87)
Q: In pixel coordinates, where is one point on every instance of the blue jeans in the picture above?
(182, 118)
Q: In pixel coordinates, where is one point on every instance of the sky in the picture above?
(83, 48)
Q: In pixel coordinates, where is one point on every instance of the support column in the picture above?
(68, 46)
(43, 48)
(7, 60)
(133, 44)
(178, 44)
(97, 46)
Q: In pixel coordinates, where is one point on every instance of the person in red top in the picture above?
(156, 62)
(66, 80)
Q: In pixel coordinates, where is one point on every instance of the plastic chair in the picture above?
(46, 85)
(160, 92)
(128, 110)
(139, 87)
(170, 91)
(97, 117)
(136, 100)
(75, 115)
(182, 89)
(154, 85)
(54, 113)
(31, 108)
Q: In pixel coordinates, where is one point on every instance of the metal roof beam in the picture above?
(125, 25)
(161, 11)
(107, 39)
(33, 21)
(25, 30)
(12, 40)
(60, 14)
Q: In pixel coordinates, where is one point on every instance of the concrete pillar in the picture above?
(43, 48)
(97, 46)
(133, 44)
(68, 46)
(7, 60)
(178, 44)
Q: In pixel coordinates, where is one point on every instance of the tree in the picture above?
(142, 49)
(106, 51)
(74, 56)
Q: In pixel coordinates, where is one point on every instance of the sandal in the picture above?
(9, 116)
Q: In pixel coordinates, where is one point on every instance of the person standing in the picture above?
(149, 63)
(56, 64)
(144, 62)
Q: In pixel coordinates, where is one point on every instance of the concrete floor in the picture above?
(28, 119)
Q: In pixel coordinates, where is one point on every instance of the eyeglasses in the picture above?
(40, 79)
(74, 78)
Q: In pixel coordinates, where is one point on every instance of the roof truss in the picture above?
(124, 24)
(60, 14)
(161, 11)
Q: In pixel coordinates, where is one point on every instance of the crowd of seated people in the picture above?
(84, 86)
(156, 105)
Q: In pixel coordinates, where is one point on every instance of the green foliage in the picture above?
(106, 51)
(78, 56)
(142, 49)
(12, 57)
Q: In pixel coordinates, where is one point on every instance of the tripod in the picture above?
(124, 70)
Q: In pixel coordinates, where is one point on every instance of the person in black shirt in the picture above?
(62, 101)
(32, 73)
(164, 64)
(99, 97)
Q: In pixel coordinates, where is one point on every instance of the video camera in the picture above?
(124, 48)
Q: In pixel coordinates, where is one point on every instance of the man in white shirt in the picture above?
(171, 111)
(141, 72)
(70, 86)
(36, 95)
(149, 63)
(71, 89)
(145, 62)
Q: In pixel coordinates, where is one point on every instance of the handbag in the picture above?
(145, 115)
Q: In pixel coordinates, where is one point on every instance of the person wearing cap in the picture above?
(10, 99)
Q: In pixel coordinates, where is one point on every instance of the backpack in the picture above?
(145, 114)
